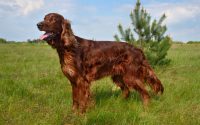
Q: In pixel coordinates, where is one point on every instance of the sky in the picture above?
(97, 19)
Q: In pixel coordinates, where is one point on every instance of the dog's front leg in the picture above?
(75, 98)
(84, 95)
(81, 95)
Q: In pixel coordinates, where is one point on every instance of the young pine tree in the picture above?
(151, 36)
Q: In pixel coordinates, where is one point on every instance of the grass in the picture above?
(34, 91)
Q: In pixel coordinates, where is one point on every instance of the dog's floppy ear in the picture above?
(67, 35)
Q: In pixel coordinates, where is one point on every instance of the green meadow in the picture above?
(33, 91)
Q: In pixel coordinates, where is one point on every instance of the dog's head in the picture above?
(55, 27)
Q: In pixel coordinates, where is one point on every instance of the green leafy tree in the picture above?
(2, 40)
(151, 36)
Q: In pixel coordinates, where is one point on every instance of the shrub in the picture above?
(151, 35)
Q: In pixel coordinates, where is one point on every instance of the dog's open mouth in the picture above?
(47, 36)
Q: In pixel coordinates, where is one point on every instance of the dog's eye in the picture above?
(54, 20)
(47, 21)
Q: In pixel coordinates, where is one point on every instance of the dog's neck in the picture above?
(67, 46)
(67, 49)
(68, 38)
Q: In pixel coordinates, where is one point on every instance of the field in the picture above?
(34, 91)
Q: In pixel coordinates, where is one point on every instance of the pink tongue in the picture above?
(44, 36)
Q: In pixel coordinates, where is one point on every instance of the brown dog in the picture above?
(83, 61)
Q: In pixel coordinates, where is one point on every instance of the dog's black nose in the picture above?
(39, 25)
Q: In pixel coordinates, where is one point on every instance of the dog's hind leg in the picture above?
(117, 79)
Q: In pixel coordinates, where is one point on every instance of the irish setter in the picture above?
(83, 61)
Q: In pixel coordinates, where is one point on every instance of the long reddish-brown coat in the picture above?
(83, 61)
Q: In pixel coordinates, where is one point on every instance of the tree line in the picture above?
(2, 40)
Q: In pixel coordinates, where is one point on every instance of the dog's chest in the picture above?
(68, 65)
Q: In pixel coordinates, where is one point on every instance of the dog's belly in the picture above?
(98, 72)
